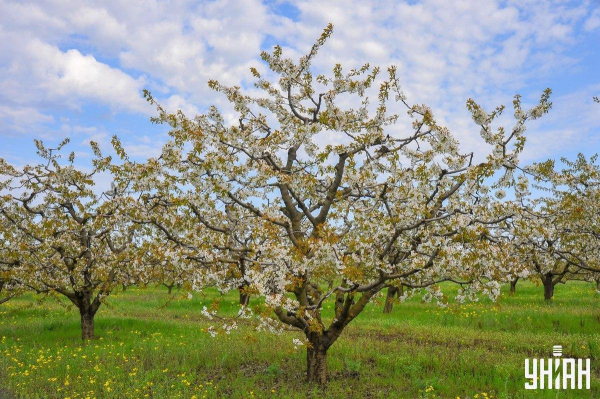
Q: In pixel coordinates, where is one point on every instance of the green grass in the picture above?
(148, 346)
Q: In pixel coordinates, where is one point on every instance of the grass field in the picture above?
(148, 346)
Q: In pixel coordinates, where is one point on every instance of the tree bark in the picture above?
(124, 287)
(598, 285)
(88, 307)
(87, 325)
(513, 286)
(389, 299)
(548, 287)
(316, 365)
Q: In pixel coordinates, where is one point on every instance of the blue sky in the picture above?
(77, 68)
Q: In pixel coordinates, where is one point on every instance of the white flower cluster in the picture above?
(208, 314)
(269, 324)
(297, 343)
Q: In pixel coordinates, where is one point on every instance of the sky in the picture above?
(78, 68)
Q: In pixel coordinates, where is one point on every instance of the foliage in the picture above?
(382, 205)
(555, 235)
(71, 240)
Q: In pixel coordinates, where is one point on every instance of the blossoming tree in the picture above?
(194, 241)
(556, 234)
(72, 240)
(334, 190)
(9, 264)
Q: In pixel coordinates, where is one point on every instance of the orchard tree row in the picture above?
(317, 191)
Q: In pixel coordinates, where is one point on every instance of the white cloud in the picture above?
(97, 23)
(21, 119)
(40, 74)
(143, 147)
(72, 53)
(593, 22)
(572, 126)
(71, 75)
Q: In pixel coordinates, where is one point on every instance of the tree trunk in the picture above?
(513, 286)
(124, 287)
(347, 307)
(244, 298)
(244, 295)
(170, 288)
(87, 310)
(389, 299)
(548, 288)
(87, 325)
(316, 365)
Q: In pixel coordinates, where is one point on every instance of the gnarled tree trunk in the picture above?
(316, 355)
(319, 338)
(347, 308)
(316, 365)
